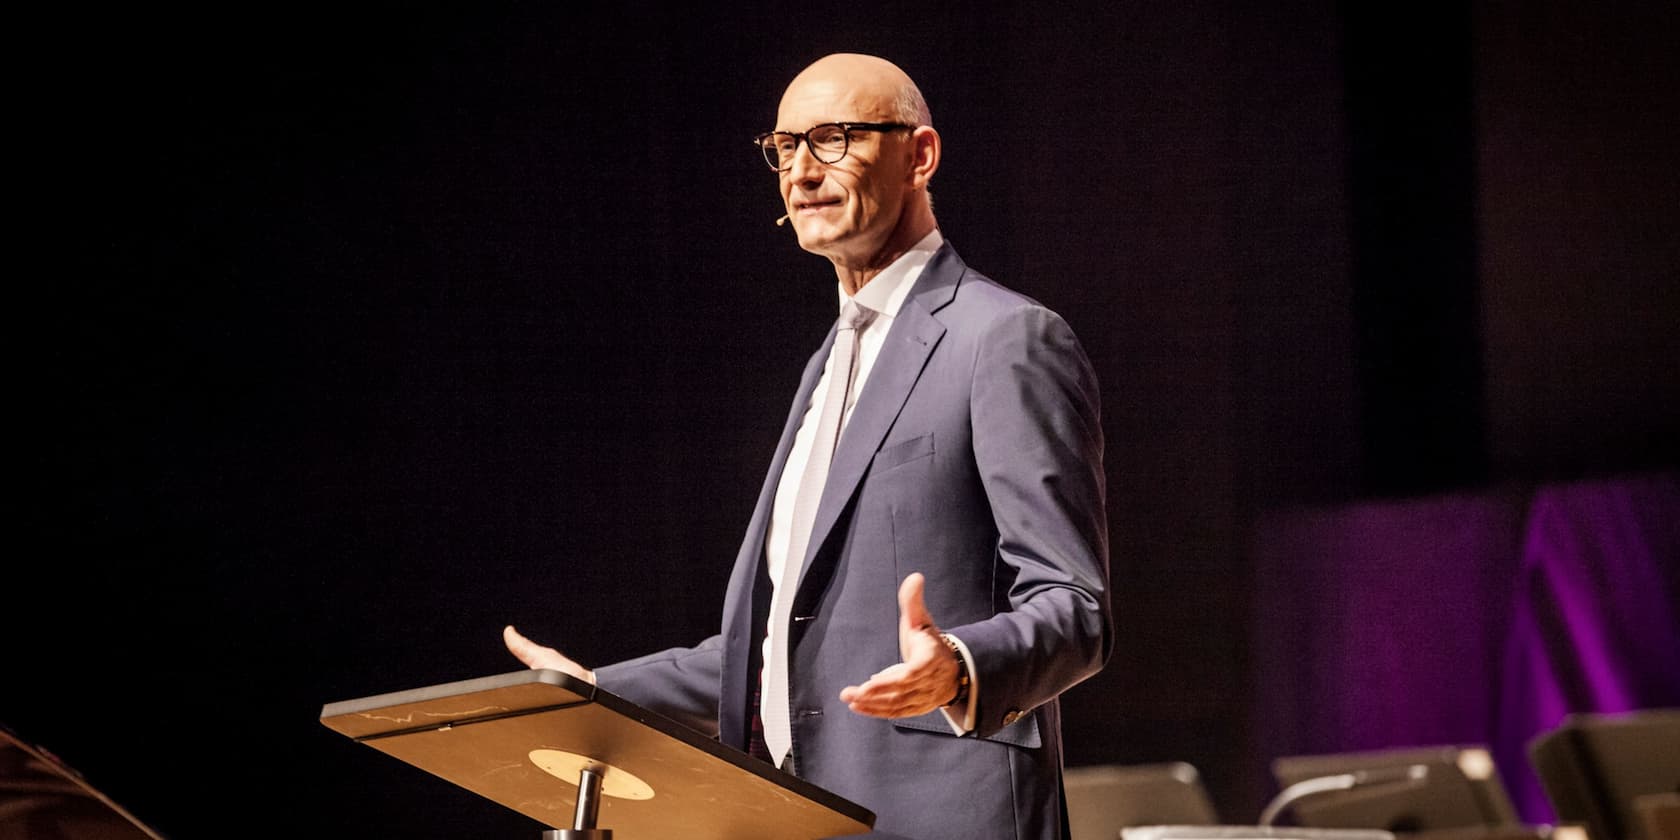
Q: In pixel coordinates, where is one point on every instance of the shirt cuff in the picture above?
(964, 724)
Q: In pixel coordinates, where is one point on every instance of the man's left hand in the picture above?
(924, 681)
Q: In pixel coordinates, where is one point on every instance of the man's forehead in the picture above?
(809, 101)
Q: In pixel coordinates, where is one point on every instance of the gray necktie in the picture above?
(774, 711)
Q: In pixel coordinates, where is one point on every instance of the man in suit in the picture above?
(966, 485)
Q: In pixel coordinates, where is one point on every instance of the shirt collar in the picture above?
(886, 292)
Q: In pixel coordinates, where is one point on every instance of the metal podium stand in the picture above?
(566, 753)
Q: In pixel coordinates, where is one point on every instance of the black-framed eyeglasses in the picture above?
(828, 142)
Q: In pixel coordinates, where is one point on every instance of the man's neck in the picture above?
(854, 277)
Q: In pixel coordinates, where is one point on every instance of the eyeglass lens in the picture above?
(827, 142)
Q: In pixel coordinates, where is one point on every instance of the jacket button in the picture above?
(1012, 716)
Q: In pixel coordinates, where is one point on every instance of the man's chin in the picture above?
(816, 238)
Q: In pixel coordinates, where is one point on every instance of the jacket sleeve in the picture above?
(680, 683)
(1038, 445)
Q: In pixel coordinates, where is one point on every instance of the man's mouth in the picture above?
(803, 207)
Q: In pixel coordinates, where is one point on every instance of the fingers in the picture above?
(912, 610)
(896, 692)
(542, 657)
(524, 649)
(914, 621)
(924, 681)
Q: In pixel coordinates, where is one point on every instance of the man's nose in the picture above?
(804, 167)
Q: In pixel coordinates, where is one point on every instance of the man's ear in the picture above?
(924, 151)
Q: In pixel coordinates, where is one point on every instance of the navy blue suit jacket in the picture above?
(974, 456)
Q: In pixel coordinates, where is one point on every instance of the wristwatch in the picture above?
(962, 671)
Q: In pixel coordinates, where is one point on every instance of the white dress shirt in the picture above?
(884, 294)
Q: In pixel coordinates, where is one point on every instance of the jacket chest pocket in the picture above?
(901, 453)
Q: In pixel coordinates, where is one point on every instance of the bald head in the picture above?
(874, 85)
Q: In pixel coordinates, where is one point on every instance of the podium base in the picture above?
(578, 834)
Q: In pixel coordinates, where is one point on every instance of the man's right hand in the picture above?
(540, 657)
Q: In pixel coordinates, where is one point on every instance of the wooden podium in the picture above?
(566, 753)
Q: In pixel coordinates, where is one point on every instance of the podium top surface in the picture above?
(520, 738)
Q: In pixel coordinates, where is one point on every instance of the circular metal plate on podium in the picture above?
(615, 782)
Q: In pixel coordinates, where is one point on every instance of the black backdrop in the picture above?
(347, 336)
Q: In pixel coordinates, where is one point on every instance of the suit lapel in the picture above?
(903, 357)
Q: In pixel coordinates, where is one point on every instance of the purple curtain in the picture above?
(1594, 626)
(1466, 619)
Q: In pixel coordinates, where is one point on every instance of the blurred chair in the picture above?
(1598, 770)
(1104, 798)
(1249, 832)
(1659, 815)
(1444, 790)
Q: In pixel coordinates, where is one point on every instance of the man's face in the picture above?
(847, 210)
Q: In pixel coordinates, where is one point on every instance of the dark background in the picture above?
(346, 336)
